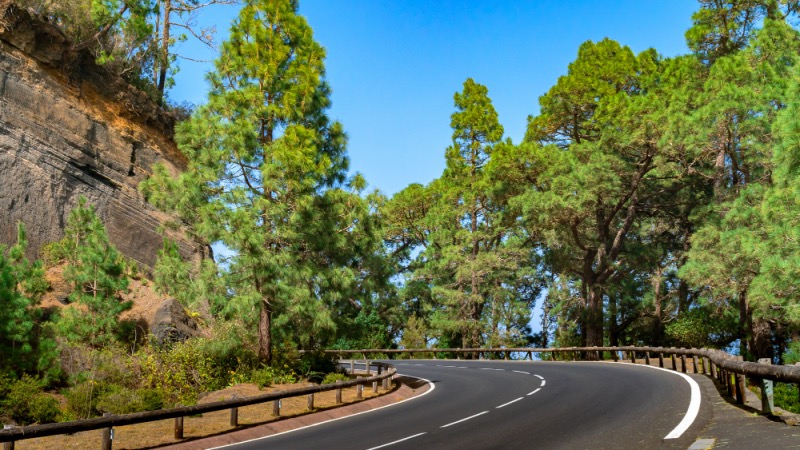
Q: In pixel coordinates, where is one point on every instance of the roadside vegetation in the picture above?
(653, 201)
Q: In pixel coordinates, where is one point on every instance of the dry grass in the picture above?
(154, 434)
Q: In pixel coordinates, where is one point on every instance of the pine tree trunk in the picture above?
(594, 319)
(265, 332)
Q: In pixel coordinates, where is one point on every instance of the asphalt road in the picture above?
(516, 404)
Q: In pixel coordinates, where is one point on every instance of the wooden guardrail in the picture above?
(11, 434)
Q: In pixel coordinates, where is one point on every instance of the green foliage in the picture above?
(267, 177)
(96, 271)
(25, 402)
(786, 397)
(702, 328)
(123, 400)
(22, 285)
(333, 377)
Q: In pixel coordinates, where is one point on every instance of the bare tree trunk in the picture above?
(164, 50)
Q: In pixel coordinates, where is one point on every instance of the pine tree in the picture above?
(22, 285)
(96, 271)
(267, 177)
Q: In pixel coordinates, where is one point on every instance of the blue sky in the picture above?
(394, 65)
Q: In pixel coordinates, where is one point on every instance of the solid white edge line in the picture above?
(433, 386)
(397, 441)
(694, 402)
(464, 419)
(538, 376)
(506, 404)
(537, 390)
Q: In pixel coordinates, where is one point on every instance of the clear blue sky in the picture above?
(394, 65)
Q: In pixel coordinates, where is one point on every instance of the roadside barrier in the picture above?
(729, 370)
(10, 434)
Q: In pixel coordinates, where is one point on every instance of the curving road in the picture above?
(518, 404)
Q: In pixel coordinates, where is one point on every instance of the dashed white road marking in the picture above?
(538, 376)
(490, 368)
(464, 419)
(543, 381)
(521, 371)
(397, 441)
(537, 390)
(512, 401)
(449, 366)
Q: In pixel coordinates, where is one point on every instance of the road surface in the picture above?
(518, 404)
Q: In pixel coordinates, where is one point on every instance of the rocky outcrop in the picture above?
(171, 323)
(69, 129)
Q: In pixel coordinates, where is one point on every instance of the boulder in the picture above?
(171, 323)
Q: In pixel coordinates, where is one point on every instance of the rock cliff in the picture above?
(68, 128)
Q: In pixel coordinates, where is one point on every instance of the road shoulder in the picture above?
(408, 387)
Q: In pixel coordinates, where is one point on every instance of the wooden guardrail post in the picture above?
(660, 360)
(234, 413)
(276, 408)
(674, 365)
(310, 403)
(178, 428)
(767, 393)
(8, 445)
(352, 366)
(694, 364)
(647, 358)
(633, 357)
(359, 390)
(367, 363)
(530, 356)
(338, 393)
(683, 363)
(108, 436)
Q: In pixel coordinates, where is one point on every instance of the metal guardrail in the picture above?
(11, 434)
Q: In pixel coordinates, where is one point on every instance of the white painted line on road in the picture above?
(543, 382)
(449, 366)
(512, 401)
(464, 420)
(462, 367)
(489, 368)
(694, 402)
(418, 364)
(537, 390)
(430, 383)
(521, 371)
(538, 376)
(395, 442)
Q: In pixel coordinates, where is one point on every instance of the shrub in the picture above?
(82, 400)
(25, 402)
(786, 397)
(334, 377)
(262, 377)
(122, 400)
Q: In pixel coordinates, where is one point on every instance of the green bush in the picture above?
(334, 377)
(82, 399)
(122, 400)
(25, 402)
(262, 377)
(786, 397)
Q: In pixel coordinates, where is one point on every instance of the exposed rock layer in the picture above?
(69, 129)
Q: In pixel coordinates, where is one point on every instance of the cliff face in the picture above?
(68, 128)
